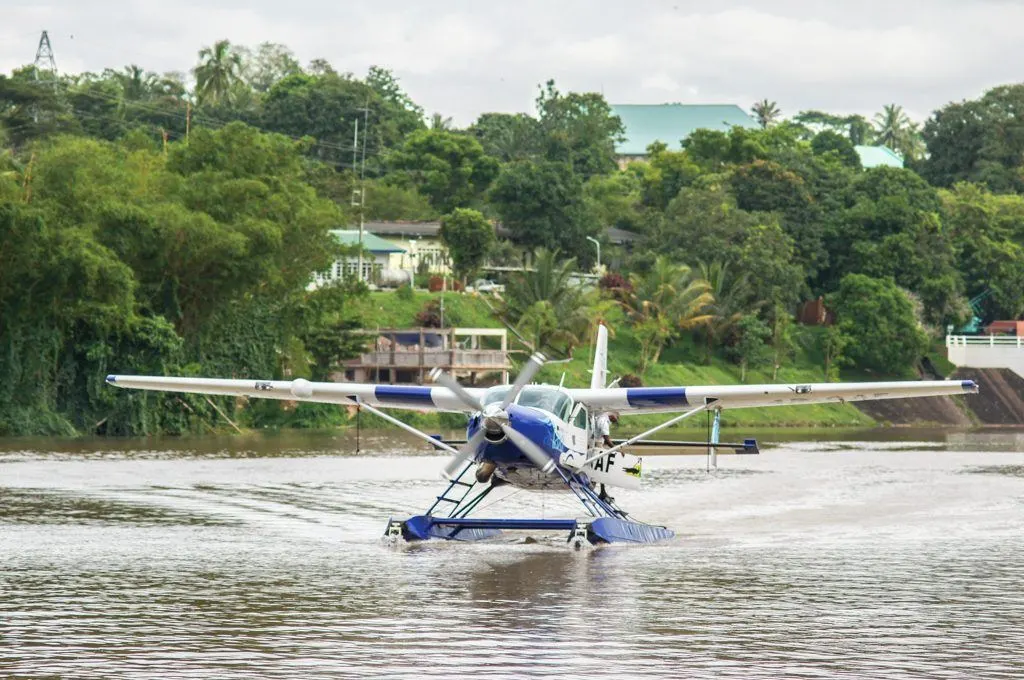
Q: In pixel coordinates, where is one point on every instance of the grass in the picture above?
(384, 309)
(683, 364)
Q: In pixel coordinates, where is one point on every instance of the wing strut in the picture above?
(408, 428)
(709, 403)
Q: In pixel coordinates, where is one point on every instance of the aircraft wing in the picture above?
(637, 400)
(423, 398)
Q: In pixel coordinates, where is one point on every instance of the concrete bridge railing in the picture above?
(986, 351)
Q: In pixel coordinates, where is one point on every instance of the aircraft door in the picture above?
(580, 425)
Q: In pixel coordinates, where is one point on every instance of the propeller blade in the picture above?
(445, 380)
(533, 364)
(533, 451)
(466, 453)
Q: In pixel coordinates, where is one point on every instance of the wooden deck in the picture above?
(407, 355)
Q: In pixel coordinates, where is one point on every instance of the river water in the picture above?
(260, 557)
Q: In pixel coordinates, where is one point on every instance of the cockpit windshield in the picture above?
(494, 395)
(547, 399)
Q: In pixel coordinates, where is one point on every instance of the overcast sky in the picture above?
(462, 58)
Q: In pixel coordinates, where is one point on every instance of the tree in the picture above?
(328, 106)
(663, 302)
(580, 129)
(751, 349)
(664, 174)
(766, 112)
(546, 305)
(892, 228)
(979, 141)
(891, 126)
(383, 82)
(833, 344)
(469, 238)
(714, 150)
(731, 301)
(219, 69)
(612, 199)
(541, 205)
(855, 127)
(827, 141)
(269, 64)
(440, 122)
(704, 225)
(450, 169)
(988, 241)
(877, 320)
(894, 129)
(392, 203)
(509, 137)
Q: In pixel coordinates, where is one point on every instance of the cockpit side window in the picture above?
(580, 420)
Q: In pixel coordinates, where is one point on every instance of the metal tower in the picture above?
(44, 63)
(45, 69)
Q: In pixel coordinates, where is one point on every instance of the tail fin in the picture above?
(599, 377)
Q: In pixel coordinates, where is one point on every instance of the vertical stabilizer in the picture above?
(599, 378)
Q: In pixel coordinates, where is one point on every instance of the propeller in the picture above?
(495, 418)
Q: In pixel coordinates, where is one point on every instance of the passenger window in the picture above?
(580, 420)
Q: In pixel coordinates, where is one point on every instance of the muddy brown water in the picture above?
(891, 554)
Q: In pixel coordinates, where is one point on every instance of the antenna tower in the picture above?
(44, 63)
(45, 69)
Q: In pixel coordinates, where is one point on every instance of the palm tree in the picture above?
(731, 301)
(766, 112)
(546, 306)
(136, 84)
(664, 301)
(859, 129)
(439, 122)
(891, 125)
(219, 69)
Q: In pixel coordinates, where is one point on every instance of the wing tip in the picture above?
(969, 386)
(111, 379)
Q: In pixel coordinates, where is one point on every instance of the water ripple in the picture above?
(806, 562)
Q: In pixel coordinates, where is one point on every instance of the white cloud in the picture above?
(462, 57)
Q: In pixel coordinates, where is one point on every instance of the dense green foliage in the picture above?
(469, 237)
(149, 227)
(878, 318)
(124, 259)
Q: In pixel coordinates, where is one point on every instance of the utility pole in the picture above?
(357, 197)
(360, 191)
(44, 65)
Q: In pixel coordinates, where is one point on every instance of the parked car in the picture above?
(485, 286)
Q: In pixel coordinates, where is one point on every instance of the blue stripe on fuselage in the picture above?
(656, 396)
(393, 394)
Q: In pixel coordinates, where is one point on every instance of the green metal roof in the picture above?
(372, 242)
(878, 156)
(672, 123)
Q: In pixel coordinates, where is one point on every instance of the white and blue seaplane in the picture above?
(543, 437)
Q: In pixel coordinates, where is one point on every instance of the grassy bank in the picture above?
(683, 364)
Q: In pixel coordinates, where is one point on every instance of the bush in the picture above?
(404, 292)
(877, 319)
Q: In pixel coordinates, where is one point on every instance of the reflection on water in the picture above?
(261, 557)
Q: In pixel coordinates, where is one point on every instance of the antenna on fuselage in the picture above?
(562, 381)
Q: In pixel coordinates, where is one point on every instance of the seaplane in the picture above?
(544, 437)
